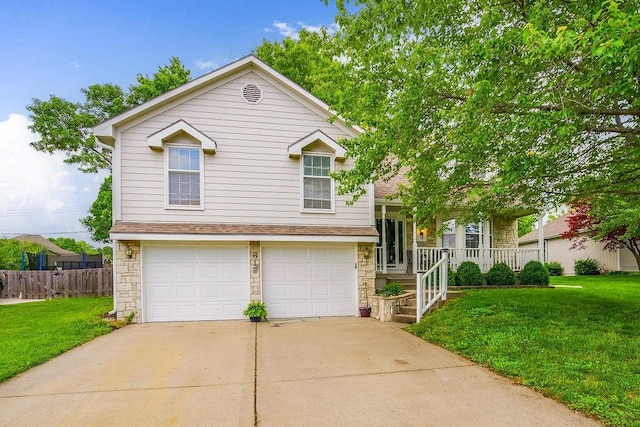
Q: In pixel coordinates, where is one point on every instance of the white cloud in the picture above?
(40, 193)
(206, 65)
(286, 29)
(289, 30)
(331, 29)
(74, 65)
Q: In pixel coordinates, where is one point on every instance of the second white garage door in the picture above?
(195, 283)
(309, 281)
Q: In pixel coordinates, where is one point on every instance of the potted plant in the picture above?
(255, 311)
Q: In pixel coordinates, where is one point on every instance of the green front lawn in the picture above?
(32, 333)
(579, 346)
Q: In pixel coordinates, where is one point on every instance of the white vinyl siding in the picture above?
(317, 185)
(184, 176)
(250, 179)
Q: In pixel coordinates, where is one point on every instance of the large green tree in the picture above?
(494, 104)
(73, 245)
(311, 61)
(65, 126)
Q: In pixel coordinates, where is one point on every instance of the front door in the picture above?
(394, 231)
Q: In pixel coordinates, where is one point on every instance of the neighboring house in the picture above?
(53, 256)
(44, 243)
(559, 249)
(222, 195)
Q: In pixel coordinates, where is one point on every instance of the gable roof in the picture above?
(295, 149)
(551, 230)
(156, 140)
(106, 131)
(44, 243)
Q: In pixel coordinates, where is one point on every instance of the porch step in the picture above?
(407, 312)
(404, 318)
(408, 281)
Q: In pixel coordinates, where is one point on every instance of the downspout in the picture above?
(114, 265)
(415, 245)
(540, 237)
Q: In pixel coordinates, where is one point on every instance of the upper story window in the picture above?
(184, 177)
(317, 184)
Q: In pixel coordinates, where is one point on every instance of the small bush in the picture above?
(391, 290)
(619, 273)
(586, 267)
(469, 274)
(534, 273)
(451, 277)
(554, 268)
(501, 275)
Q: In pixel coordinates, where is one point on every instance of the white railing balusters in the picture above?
(431, 286)
(515, 258)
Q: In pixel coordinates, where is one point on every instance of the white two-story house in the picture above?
(222, 194)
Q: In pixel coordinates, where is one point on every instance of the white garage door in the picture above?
(309, 281)
(195, 283)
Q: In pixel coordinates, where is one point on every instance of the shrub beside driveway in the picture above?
(577, 345)
(33, 333)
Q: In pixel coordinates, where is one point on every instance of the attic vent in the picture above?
(252, 93)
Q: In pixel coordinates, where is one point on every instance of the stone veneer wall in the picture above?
(366, 273)
(255, 281)
(505, 232)
(128, 281)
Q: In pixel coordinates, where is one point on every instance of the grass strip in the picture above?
(32, 333)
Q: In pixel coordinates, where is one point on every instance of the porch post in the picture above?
(384, 239)
(540, 237)
(415, 245)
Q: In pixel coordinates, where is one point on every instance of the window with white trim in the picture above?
(472, 236)
(317, 185)
(184, 176)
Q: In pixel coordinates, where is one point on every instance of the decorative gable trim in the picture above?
(156, 140)
(295, 149)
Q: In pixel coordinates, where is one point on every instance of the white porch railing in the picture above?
(515, 258)
(432, 285)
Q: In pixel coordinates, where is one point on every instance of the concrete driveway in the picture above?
(324, 372)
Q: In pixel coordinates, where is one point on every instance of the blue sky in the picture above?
(59, 47)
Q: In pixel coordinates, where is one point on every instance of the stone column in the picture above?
(128, 280)
(255, 270)
(366, 272)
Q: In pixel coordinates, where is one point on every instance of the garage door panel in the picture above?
(186, 292)
(319, 255)
(298, 272)
(231, 292)
(236, 272)
(180, 255)
(209, 291)
(209, 271)
(199, 283)
(319, 272)
(309, 281)
(160, 272)
(320, 290)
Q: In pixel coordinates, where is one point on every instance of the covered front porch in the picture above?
(404, 247)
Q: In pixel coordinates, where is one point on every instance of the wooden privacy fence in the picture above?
(55, 284)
